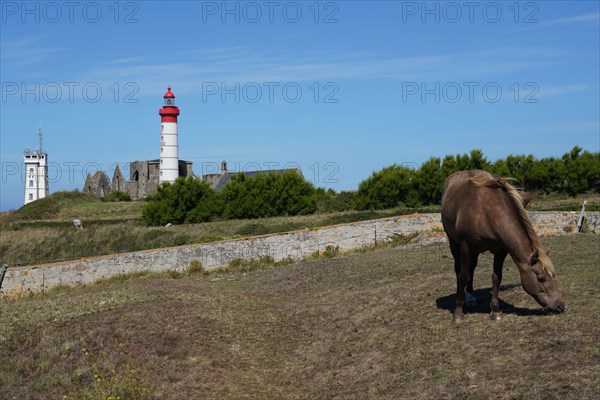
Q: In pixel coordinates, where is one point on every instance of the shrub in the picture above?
(117, 196)
(575, 172)
(185, 201)
(268, 195)
(335, 202)
(195, 267)
(387, 188)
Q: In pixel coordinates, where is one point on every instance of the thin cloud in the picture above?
(240, 64)
(123, 61)
(564, 89)
(574, 19)
(27, 51)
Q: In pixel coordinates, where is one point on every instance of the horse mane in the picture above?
(483, 178)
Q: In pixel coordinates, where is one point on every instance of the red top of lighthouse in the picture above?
(169, 94)
(169, 112)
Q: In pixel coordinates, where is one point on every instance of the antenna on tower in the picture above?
(41, 139)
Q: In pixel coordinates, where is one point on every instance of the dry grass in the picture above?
(369, 325)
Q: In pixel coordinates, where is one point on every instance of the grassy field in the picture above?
(369, 325)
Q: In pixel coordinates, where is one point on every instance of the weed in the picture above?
(315, 255)
(173, 274)
(195, 267)
(210, 238)
(400, 240)
(331, 251)
(122, 278)
(263, 262)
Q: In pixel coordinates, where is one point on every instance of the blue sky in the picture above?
(340, 89)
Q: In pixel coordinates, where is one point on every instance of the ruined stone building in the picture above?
(143, 179)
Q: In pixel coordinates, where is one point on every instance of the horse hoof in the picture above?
(495, 316)
(458, 318)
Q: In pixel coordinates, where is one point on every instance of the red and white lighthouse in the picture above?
(169, 153)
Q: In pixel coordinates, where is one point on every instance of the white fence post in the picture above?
(581, 217)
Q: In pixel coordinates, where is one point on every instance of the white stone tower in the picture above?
(36, 172)
(169, 153)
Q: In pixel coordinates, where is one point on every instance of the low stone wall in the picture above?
(295, 245)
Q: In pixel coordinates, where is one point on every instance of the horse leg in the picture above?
(499, 257)
(455, 249)
(469, 296)
(463, 280)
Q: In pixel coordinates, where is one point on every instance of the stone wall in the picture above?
(296, 245)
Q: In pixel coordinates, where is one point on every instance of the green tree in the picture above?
(429, 180)
(184, 201)
(267, 195)
(581, 171)
(387, 188)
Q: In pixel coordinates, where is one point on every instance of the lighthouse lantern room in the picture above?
(169, 152)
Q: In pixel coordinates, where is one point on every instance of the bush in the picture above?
(576, 172)
(117, 196)
(268, 195)
(387, 188)
(185, 201)
(332, 202)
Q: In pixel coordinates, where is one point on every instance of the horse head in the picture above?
(538, 280)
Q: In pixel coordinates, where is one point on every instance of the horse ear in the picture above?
(534, 257)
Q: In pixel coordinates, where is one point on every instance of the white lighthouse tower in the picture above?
(36, 172)
(169, 153)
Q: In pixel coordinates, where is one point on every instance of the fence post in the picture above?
(581, 217)
(375, 246)
(2, 273)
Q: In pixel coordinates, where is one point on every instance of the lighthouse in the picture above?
(36, 173)
(169, 153)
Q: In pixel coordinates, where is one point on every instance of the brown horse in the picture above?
(482, 212)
